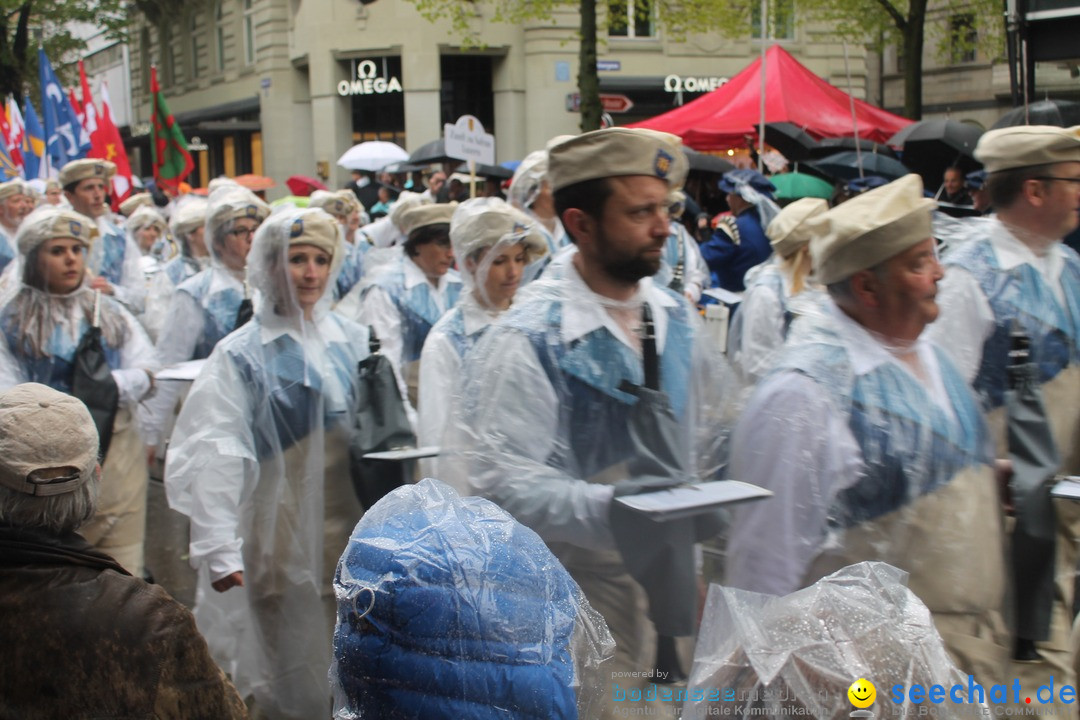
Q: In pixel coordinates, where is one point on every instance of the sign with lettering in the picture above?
(466, 140)
(677, 83)
(367, 82)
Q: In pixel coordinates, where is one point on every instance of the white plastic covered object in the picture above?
(797, 655)
(449, 608)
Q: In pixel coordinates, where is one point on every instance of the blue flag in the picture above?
(65, 138)
(33, 142)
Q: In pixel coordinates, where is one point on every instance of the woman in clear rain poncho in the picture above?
(776, 292)
(259, 462)
(204, 307)
(495, 243)
(405, 300)
(187, 224)
(147, 228)
(42, 327)
(345, 208)
(530, 191)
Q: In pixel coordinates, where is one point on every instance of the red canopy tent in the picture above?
(723, 118)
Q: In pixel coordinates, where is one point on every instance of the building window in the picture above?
(963, 37)
(780, 24)
(219, 34)
(193, 34)
(249, 32)
(631, 18)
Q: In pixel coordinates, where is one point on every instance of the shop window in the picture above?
(962, 38)
(193, 35)
(780, 23)
(631, 18)
(249, 32)
(466, 89)
(219, 35)
(379, 115)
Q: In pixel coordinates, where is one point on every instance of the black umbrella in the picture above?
(659, 555)
(934, 145)
(1062, 113)
(487, 171)
(789, 140)
(93, 383)
(430, 153)
(381, 425)
(898, 138)
(1035, 460)
(703, 162)
(831, 146)
(845, 166)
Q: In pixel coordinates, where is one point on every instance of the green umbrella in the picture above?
(793, 185)
(296, 200)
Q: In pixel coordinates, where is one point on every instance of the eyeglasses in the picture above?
(242, 232)
(1053, 177)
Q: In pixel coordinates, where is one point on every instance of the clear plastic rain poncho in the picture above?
(188, 218)
(162, 249)
(42, 329)
(480, 231)
(204, 308)
(683, 268)
(116, 257)
(867, 461)
(494, 628)
(798, 655)
(545, 426)
(529, 181)
(259, 462)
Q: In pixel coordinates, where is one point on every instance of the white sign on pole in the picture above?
(466, 140)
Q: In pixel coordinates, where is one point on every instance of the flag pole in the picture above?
(761, 126)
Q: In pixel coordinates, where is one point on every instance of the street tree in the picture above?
(677, 18)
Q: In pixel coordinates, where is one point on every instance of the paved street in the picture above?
(167, 546)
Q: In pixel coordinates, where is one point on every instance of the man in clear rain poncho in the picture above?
(259, 462)
(114, 258)
(1014, 268)
(530, 192)
(15, 204)
(43, 326)
(871, 440)
(206, 307)
(683, 269)
(496, 243)
(776, 292)
(543, 422)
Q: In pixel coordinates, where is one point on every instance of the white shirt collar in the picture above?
(1011, 252)
(415, 276)
(475, 316)
(586, 312)
(273, 326)
(867, 354)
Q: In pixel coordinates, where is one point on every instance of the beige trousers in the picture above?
(118, 528)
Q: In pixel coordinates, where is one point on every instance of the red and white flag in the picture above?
(113, 149)
(88, 116)
(12, 134)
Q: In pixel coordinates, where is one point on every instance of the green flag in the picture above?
(172, 161)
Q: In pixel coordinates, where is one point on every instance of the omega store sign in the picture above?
(369, 77)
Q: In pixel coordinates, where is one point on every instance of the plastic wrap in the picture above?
(873, 452)
(528, 180)
(259, 462)
(798, 655)
(450, 609)
(188, 219)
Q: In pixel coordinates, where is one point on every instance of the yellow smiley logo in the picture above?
(861, 693)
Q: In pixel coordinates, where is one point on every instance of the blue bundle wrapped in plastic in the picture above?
(449, 608)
